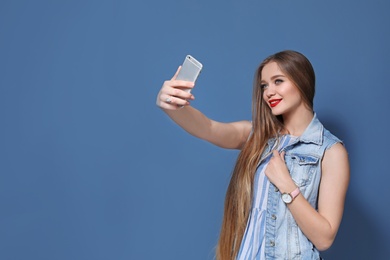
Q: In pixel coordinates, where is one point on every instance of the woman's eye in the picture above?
(278, 81)
(263, 86)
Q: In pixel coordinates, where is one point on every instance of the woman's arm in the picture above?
(174, 101)
(319, 227)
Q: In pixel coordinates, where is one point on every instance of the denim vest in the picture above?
(283, 238)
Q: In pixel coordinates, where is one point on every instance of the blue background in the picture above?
(90, 168)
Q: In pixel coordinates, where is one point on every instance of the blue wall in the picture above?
(90, 168)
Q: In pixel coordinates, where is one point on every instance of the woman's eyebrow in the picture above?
(278, 76)
(273, 77)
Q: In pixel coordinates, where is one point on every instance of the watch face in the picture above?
(286, 198)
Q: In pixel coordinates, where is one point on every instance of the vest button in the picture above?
(272, 243)
(276, 189)
(273, 216)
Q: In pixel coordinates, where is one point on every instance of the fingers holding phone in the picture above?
(176, 92)
(173, 94)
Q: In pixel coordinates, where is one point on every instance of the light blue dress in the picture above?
(253, 241)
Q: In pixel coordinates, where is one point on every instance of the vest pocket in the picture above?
(302, 167)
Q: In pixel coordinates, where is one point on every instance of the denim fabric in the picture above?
(253, 242)
(283, 238)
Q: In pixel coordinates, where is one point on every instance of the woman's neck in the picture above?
(295, 124)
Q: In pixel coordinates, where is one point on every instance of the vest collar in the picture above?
(312, 134)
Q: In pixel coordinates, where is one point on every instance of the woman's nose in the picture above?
(270, 91)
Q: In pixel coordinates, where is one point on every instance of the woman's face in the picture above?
(280, 93)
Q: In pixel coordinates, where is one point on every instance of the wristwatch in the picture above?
(289, 197)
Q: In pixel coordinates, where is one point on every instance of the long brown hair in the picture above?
(265, 126)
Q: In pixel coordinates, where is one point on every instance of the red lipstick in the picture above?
(274, 102)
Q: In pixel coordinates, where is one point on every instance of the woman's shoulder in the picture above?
(330, 136)
(330, 139)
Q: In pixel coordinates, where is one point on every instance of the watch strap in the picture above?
(295, 193)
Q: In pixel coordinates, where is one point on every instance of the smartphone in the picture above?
(190, 70)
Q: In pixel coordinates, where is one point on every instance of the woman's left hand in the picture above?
(278, 173)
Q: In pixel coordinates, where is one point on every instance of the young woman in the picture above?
(286, 196)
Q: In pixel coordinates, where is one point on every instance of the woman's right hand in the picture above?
(172, 95)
